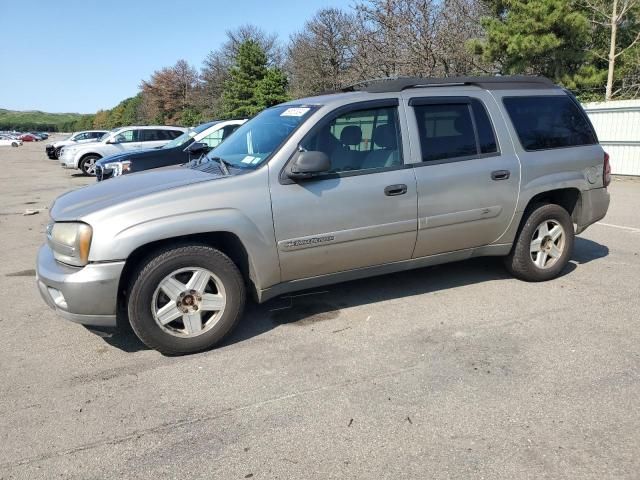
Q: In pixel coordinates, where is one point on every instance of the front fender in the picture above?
(240, 206)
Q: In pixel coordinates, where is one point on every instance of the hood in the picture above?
(130, 155)
(63, 143)
(77, 204)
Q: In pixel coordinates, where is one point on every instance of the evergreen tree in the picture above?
(272, 89)
(543, 37)
(240, 94)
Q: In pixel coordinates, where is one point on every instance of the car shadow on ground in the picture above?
(309, 307)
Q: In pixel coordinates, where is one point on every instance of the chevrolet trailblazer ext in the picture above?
(393, 175)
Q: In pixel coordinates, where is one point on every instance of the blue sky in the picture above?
(85, 55)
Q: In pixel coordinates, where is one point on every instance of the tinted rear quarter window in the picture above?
(546, 122)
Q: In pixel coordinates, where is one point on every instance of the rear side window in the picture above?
(452, 130)
(548, 122)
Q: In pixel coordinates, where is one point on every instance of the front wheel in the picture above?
(186, 299)
(543, 246)
(88, 165)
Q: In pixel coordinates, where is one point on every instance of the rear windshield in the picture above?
(546, 122)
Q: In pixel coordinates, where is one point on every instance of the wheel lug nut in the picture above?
(195, 307)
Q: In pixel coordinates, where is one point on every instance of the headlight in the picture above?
(70, 242)
(119, 168)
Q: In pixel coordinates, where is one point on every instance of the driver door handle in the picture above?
(393, 190)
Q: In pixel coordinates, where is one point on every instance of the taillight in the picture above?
(606, 173)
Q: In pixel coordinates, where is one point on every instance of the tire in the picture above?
(56, 153)
(537, 255)
(157, 312)
(88, 165)
(14, 144)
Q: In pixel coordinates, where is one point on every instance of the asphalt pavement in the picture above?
(455, 371)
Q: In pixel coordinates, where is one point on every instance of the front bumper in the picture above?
(103, 173)
(87, 295)
(593, 207)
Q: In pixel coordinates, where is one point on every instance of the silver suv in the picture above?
(389, 176)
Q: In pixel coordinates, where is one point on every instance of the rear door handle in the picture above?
(500, 174)
(393, 190)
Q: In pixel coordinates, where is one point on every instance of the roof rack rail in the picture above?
(398, 84)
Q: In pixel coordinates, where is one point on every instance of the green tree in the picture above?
(240, 93)
(131, 111)
(189, 117)
(272, 89)
(542, 37)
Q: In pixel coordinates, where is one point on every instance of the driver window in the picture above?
(125, 137)
(360, 140)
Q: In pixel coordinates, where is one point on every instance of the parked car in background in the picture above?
(85, 156)
(206, 136)
(28, 137)
(9, 141)
(53, 149)
(399, 174)
(44, 135)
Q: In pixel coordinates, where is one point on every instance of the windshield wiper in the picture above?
(223, 165)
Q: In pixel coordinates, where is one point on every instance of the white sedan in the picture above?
(10, 142)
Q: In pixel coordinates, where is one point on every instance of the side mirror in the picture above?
(112, 141)
(197, 147)
(306, 164)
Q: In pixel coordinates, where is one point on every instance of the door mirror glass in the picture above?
(306, 164)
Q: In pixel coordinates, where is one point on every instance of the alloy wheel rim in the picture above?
(188, 302)
(547, 244)
(90, 166)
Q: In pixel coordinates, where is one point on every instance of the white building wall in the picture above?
(617, 124)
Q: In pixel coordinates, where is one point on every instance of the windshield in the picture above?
(188, 135)
(251, 144)
(104, 136)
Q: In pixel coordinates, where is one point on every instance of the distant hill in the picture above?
(43, 121)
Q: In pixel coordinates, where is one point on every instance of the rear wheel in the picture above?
(14, 144)
(186, 299)
(88, 165)
(543, 246)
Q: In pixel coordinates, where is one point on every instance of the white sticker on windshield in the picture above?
(256, 160)
(295, 112)
(248, 159)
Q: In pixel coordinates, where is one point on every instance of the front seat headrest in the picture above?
(385, 136)
(351, 135)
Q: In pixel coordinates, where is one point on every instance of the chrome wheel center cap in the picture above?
(189, 301)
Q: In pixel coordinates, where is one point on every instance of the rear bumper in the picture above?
(86, 295)
(593, 207)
